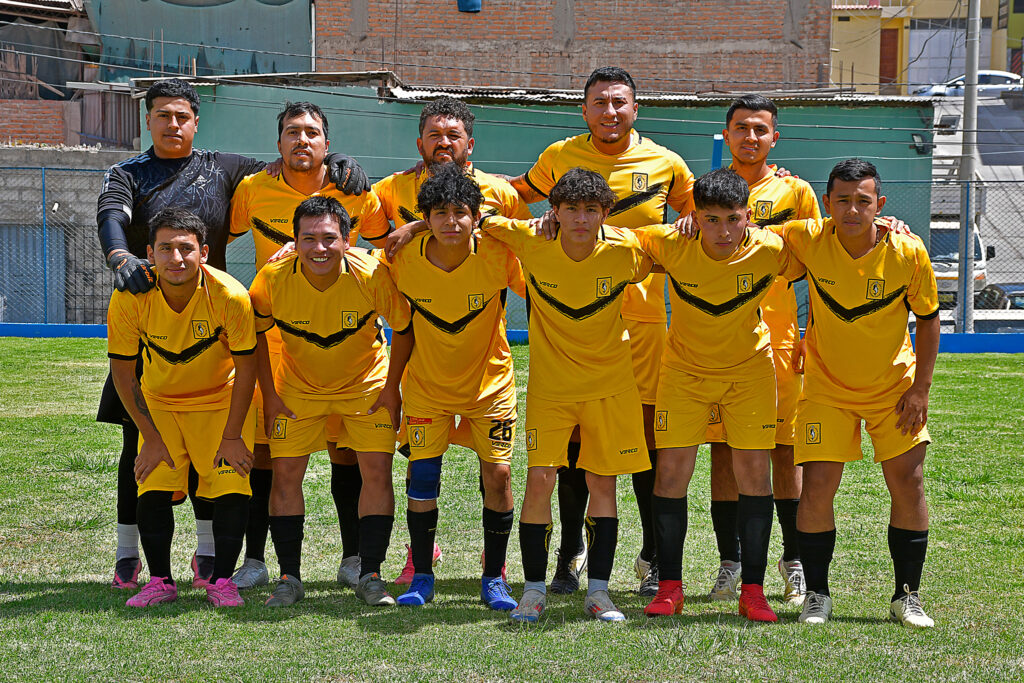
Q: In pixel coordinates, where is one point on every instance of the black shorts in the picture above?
(111, 410)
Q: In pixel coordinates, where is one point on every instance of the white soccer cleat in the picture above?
(907, 610)
(817, 608)
(793, 574)
(727, 581)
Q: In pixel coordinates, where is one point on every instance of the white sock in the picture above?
(127, 541)
(535, 585)
(204, 537)
(594, 585)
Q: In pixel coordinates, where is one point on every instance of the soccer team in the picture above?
(298, 364)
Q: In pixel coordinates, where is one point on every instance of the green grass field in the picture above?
(59, 620)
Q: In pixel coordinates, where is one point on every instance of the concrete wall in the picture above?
(542, 43)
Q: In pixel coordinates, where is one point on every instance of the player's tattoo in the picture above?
(140, 403)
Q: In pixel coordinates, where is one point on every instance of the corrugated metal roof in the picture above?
(42, 7)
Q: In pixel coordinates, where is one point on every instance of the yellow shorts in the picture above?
(194, 436)
(830, 434)
(274, 346)
(491, 430)
(646, 344)
(788, 385)
(611, 433)
(687, 404)
(308, 433)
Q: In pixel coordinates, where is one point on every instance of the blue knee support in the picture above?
(424, 479)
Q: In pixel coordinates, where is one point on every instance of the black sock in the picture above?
(156, 529)
(643, 487)
(346, 483)
(422, 530)
(374, 538)
(723, 519)
(497, 527)
(230, 515)
(259, 514)
(907, 549)
(203, 507)
(286, 532)
(483, 493)
(602, 537)
(786, 509)
(754, 521)
(815, 555)
(573, 495)
(533, 543)
(127, 487)
(670, 521)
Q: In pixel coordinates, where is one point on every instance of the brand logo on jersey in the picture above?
(813, 433)
(279, 220)
(639, 183)
(876, 289)
(476, 302)
(762, 210)
(280, 428)
(604, 286)
(744, 283)
(661, 421)
(200, 329)
(419, 420)
(531, 439)
(715, 416)
(349, 320)
(416, 436)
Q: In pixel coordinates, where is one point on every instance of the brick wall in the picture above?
(682, 46)
(32, 121)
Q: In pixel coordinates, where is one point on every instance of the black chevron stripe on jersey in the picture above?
(777, 218)
(583, 312)
(330, 340)
(453, 327)
(188, 354)
(635, 199)
(726, 306)
(271, 233)
(850, 314)
(407, 216)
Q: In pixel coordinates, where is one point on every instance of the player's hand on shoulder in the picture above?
(784, 173)
(546, 225)
(273, 169)
(401, 237)
(686, 226)
(284, 252)
(151, 454)
(347, 175)
(893, 225)
(131, 272)
(912, 410)
(417, 169)
(235, 454)
(391, 400)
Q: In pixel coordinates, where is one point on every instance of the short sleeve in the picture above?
(241, 211)
(123, 333)
(922, 293)
(384, 189)
(790, 267)
(373, 222)
(387, 300)
(541, 176)
(680, 195)
(513, 232)
(240, 324)
(259, 294)
(516, 280)
(652, 239)
(808, 207)
(796, 234)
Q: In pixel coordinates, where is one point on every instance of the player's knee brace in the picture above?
(424, 481)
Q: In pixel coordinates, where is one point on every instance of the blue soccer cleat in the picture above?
(494, 594)
(421, 591)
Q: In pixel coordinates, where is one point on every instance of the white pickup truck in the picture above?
(944, 252)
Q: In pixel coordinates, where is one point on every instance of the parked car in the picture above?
(990, 84)
(945, 256)
(1002, 296)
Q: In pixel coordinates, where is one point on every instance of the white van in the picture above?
(944, 251)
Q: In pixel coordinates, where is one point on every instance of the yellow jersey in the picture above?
(186, 356)
(579, 346)
(334, 347)
(647, 179)
(461, 359)
(774, 201)
(717, 331)
(858, 346)
(266, 205)
(398, 193)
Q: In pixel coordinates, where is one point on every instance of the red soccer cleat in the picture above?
(667, 601)
(753, 604)
(405, 578)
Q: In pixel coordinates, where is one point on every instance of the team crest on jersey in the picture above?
(661, 421)
(200, 329)
(813, 433)
(476, 302)
(876, 289)
(416, 436)
(349, 320)
(744, 283)
(531, 439)
(715, 416)
(604, 286)
(639, 182)
(280, 428)
(762, 210)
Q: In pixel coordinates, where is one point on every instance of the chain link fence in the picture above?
(51, 269)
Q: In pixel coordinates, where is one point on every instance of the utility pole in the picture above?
(965, 275)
